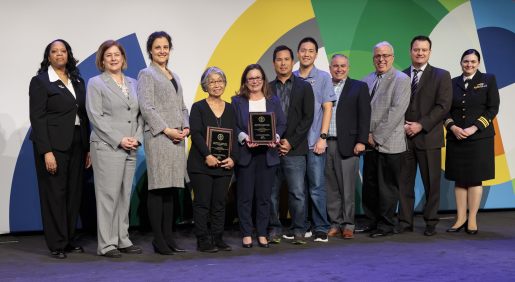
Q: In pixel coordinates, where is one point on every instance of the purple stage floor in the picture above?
(488, 256)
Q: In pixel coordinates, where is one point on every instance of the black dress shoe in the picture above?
(247, 245)
(71, 248)
(113, 254)
(162, 249)
(364, 229)
(171, 244)
(430, 230)
(380, 233)
(59, 254)
(459, 228)
(403, 229)
(131, 250)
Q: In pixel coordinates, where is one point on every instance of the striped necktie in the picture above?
(414, 83)
(375, 87)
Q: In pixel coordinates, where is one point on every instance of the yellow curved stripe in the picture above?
(251, 35)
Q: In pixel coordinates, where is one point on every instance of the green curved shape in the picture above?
(375, 20)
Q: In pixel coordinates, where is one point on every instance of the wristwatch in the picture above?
(323, 136)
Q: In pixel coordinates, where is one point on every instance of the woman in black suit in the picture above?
(470, 156)
(210, 175)
(257, 164)
(60, 134)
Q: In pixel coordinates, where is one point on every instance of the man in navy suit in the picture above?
(346, 139)
(297, 100)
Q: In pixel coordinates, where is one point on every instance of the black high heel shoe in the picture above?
(246, 245)
(162, 250)
(471, 232)
(459, 228)
(262, 245)
(171, 244)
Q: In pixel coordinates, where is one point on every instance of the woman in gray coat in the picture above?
(112, 107)
(162, 106)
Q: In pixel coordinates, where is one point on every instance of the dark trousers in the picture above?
(209, 190)
(429, 162)
(60, 193)
(255, 178)
(381, 188)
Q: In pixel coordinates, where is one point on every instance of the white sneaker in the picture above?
(289, 237)
(308, 234)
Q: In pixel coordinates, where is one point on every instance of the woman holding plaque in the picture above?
(257, 163)
(167, 124)
(211, 160)
(470, 153)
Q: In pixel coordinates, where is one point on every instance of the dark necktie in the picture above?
(375, 87)
(414, 83)
(467, 82)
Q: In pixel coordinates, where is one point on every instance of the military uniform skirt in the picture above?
(470, 160)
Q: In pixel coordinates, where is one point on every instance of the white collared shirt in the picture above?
(419, 74)
(468, 77)
(53, 77)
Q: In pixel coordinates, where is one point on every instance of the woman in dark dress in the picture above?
(470, 156)
(211, 175)
(60, 136)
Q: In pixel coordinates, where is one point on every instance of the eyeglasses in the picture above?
(385, 56)
(213, 83)
(256, 79)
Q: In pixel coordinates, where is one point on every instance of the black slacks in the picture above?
(380, 190)
(60, 193)
(429, 162)
(255, 178)
(211, 191)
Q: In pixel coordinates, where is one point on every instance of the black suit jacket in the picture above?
(353, 116)
(52, 114)
(300, 115)
(477, 105)
(431, 102)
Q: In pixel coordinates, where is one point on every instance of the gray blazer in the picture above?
(112, 115)
(388, 109)
(162, 107)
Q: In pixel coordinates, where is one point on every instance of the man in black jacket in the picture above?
(297, 101)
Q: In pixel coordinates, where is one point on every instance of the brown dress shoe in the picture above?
(347, 234)
(333, 232)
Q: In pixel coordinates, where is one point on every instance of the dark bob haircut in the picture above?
(71, 66)
(470, 52)
(282, 48)
(153, 37)
(421, 38)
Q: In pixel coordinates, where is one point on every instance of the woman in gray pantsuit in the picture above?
(112, 107)
(166, 117)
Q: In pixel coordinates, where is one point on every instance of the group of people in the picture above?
(324, 123)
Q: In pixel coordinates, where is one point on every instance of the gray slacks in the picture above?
(114, 172)
(341, 175)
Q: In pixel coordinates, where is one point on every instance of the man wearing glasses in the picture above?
(390, 96)
(297, 101)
